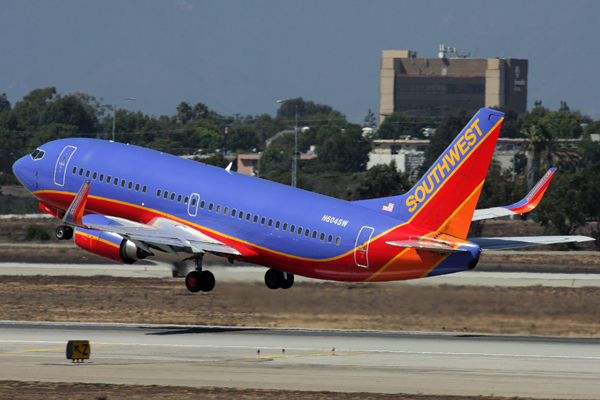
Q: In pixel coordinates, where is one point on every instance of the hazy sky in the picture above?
(242, 56)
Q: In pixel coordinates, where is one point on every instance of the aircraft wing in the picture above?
(511, 242)
(525, 205)
(161, 233)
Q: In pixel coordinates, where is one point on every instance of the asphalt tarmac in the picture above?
(248, 273)
(296, 359)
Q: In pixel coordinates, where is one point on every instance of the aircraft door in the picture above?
(61, 165)
(361, 247)
(193, 204)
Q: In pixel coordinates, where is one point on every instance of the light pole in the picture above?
(115, 113)
(295, 158)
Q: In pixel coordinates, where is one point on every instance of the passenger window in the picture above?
(194, 202)
(211, 206)
(144, 189)
(80, 171)
(241, 214)
(179, 198)
(299, 230)
(166, 194)
(115, 181)
(292, 228)
(322, 237)
(314, 235)
(87, 173)
(202, 204)
(130, 185)
(74, 170)
(263, 220)
(233, 211)
(248, 216)
(94, 176)
(329, 238)
(270, 224)
(338, 240)
(307, 232)
(137, 187)
(158, 193)
(172, 196)
(285, 227)
(255, 220)
(226, 211)
(123, 182)
(108, 178)
(218, 210)
(277, 224)
(101, 178)
(185, 201)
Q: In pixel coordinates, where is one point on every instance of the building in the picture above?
(408, 154)
(442, 86)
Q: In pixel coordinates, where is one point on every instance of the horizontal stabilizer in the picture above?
(511, 242)
(436, 246)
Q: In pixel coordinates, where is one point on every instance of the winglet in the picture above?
(74, 214)
(527, 204)
(534, 196)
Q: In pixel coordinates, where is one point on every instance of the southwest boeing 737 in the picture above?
(126, 203)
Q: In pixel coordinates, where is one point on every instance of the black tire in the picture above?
(289, 282)
(273, 279)
(61, 232)
(207, 281)
(193, 282)
(68, 233)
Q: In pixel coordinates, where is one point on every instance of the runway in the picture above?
(248, 273)
(363, 361)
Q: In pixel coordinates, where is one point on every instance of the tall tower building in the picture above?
(442, 86)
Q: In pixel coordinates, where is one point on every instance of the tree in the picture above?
(539, 139)
(242, 138)
(444, 135)
(370, 120)
(29, 111)
(4, 103)
(69, 110)
(381, 180)
(184, 112)
(344, 150)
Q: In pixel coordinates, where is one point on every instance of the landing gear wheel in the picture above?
(207, 281)
(64, 232)
(69, 231)
(193, 282)
(287, 283)
(273, 278)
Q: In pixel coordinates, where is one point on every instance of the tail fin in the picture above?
(446, 196)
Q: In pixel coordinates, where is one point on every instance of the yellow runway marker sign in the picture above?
(78, 350)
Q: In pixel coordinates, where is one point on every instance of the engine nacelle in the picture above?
(108, 245)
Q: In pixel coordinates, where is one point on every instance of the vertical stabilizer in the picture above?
(446, 196)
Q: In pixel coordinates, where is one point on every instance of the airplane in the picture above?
(126, 203)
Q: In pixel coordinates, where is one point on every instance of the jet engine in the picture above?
(108, 245)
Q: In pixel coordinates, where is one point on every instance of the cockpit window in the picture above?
(38, 154)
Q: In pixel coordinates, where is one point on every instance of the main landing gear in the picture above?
(64, 232)
(275, 279)
(199, 280)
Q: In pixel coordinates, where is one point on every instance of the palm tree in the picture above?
(540, 139)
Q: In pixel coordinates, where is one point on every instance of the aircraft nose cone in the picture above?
(24, 173)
